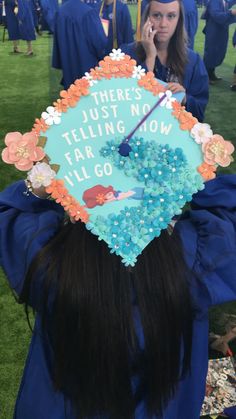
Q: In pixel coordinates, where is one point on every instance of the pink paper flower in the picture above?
(218, 151)
(22, 150)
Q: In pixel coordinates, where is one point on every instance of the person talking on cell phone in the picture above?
(163, 50)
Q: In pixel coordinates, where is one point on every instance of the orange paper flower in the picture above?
(95, 73)
(150, 83)
(60, 106)
(22, 150)
(109, 67)
(207, 171)
(126, 66)
(177, 109)
(58, 191)
(82, 86)
(186, 119)
(75, 91)
(158, 88)
(39, 125)
(69, 97)
(78, 212)
(218, 151)
(147, 80)
(67, 201)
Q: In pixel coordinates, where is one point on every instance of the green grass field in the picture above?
(28, 86)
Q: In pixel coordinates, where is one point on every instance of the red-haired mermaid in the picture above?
(100, 195)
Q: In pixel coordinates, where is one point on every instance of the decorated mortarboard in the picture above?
(123, 155)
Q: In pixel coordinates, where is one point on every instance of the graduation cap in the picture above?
(124, 156)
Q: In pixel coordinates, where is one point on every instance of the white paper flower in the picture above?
(201, 133)
(117, 55)
(167, 102)
(90, 79)
(41, 174)
(51, 116)
(138, 72)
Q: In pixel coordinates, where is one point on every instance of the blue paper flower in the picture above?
(168, 184)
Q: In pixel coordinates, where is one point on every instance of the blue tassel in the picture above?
(124, 149)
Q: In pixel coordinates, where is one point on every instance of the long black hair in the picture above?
(177, 48)
(92, 322)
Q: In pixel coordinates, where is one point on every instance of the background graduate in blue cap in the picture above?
(163, 50)
(79, 40)
(190, 18)
(218, 17)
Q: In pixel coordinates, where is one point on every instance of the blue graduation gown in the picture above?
(216, 30)
(35, 13)
(208, 233)
(79, 40)
(20, 26)
(124, 28)
(195, 80)
(49, 9)
(92, 3)
(25, 20)
(190, 18)
(201, 3)
(11, 21)
(43, 23)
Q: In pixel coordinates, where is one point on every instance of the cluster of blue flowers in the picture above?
(168, 184)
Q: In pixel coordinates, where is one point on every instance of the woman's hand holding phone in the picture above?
(147, 39)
